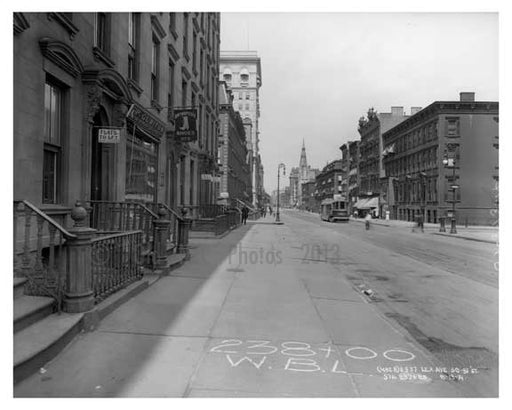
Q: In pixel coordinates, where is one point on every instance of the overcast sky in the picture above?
(322, 71)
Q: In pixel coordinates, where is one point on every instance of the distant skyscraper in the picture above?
(241, 70)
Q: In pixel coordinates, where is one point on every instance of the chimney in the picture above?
(414, 110)
(466, 96)
(397, 111)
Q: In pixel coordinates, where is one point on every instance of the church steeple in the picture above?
(303, 163)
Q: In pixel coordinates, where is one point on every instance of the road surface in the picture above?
(304, 309)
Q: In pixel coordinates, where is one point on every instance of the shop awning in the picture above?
(360, 204)
(367, 203)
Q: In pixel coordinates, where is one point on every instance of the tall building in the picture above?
(78, 73)
(371, 169)
(294, 186)
(241, 70)
(445, 157)
(235, 179)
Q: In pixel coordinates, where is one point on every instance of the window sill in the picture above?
(135, 86)
(102, 56)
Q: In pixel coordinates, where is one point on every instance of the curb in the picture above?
(467, 238)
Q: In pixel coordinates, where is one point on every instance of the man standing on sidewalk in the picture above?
(245, 214)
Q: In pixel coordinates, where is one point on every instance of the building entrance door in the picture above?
(100, 162)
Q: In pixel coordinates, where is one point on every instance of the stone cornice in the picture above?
(62, 55)
(442, 108)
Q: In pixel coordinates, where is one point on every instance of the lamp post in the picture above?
(281, 165)
(449, 162)
(423, 177)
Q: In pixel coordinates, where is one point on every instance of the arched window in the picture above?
(244, 76)
(226, 75)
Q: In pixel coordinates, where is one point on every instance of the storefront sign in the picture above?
(146, 121)
(109, 135)
(186, 124)
(206, 177)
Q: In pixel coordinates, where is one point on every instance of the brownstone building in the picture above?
(77, 73)
(444, 157)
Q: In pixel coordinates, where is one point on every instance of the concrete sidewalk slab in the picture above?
(165, 309)
(274, 374)
(118, 365)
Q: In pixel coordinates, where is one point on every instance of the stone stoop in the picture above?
(39, 333)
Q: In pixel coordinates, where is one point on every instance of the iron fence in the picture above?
(116, 262)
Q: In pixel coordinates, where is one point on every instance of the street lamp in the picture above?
(281, 165)
(449, 162)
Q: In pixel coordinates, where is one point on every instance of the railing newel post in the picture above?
(78, 293)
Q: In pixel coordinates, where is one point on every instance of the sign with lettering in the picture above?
(109, 135)
(186, 124)
(146, 121)
(206, 177)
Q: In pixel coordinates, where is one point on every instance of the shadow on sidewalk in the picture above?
(120, 355)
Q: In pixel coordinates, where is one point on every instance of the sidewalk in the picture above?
(232, 323)
(487, 234)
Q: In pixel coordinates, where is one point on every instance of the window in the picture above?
(101, 32)
(244, 78)
(155, 51)
(452, 127)
(133, 33)
(201, 71)
(185, 34)
(191, 201)
(172, 22)
(239, 96)
(184, 93)
(170, 91)
(227, 78)
(194, 52)
(53, 122)
(247, 96)
(246, 106)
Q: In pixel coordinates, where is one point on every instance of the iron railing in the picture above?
(39, 251)
(114, 217)
(171, 216)
(116, 262)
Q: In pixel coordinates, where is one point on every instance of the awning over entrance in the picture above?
(360, 204)
(367, 203)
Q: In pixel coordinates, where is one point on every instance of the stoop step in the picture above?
(29, 309)
(38, 344)
(19, 287)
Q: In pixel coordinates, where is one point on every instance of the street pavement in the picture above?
(304, 309)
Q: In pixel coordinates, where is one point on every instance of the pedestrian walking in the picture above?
(270, 210)
(367, 220)
(245, 214)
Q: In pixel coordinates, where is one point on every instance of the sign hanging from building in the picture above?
(109, 135)
(185, 124)
(146, 121)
